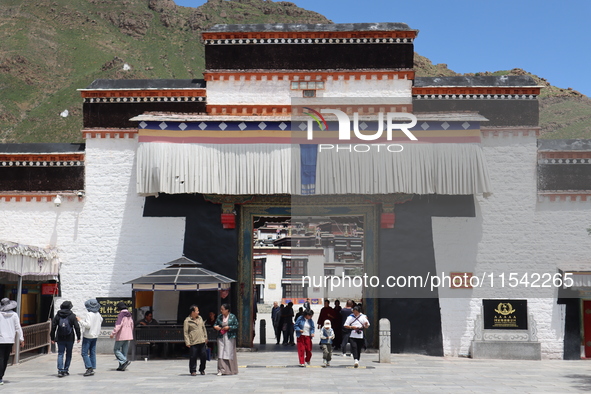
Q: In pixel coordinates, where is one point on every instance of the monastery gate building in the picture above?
(188, 167)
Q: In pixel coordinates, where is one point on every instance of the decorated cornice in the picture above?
(249, 110)
(564, 157)
(39, 196)
(108, 133)
(518, 131)
(135, 93)
(290, 131)
(286, 110)
(318, 37)
(41, 160)
(475, 92)
(153, 99)
(219, 75)
(563, 196)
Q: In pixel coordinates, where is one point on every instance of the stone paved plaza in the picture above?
(268, 371)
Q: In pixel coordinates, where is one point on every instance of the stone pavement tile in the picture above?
(408, 373)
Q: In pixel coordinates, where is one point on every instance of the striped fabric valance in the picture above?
(421, 168)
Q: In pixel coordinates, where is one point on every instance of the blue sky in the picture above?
(549, 39)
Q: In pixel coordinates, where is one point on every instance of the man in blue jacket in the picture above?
(304, 329)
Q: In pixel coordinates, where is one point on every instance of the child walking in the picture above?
(326, 337)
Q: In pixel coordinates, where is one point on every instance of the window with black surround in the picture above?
(259, 268)
(295, 268)
(294, 291)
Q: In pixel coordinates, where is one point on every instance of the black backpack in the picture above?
(64, 329)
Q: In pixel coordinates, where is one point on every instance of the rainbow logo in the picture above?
(317, 117)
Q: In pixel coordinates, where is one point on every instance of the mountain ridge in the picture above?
(51, 48)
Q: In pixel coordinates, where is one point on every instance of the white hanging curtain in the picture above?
(216, 168)
(418, 169)
(275, 169)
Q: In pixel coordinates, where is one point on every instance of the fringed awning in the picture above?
(290, 169)
(32, 262)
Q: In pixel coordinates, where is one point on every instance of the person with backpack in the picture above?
(64, 330)
(91, 328)
(9, 326)
(123, 334)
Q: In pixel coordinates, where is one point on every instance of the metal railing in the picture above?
(36, 337)
(166, 333)
(163, 333)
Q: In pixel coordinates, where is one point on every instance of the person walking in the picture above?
(280, 322)
(337, 323)
(275, 318)
(64, 330)
(345, 313)
(307, 305)
(287, 324)
(304, 328)
(123, 334)
(326, 313)
(326, 337)
(9, 325)
(357, 323)
(91, 328)
(195, 335)
(227, 327)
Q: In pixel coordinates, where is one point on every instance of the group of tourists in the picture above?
(67, 328)
(195, 333)
(337, 327)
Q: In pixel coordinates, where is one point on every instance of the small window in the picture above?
(307, 85)
(309, 93)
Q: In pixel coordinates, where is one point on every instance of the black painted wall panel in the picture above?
(407, 249)
(205, 239)
(36, 179)
(498, 112)
(118, 114)
(309, 57)
(572, 328)
(564, 177)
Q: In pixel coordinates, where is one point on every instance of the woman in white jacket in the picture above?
(9, 325)
(91, 327)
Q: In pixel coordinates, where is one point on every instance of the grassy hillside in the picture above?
(50, 48)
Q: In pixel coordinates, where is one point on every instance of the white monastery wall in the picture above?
(278, 91)
(103, 238)
(513, 232)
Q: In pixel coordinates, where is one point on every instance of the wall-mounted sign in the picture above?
(49, 289)
(505, 314)
(109, 310)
